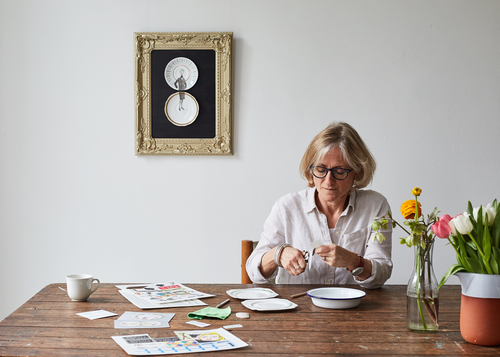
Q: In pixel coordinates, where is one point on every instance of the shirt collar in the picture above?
(311, 202)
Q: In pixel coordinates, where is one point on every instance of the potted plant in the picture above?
(475, 237)
(422, 291)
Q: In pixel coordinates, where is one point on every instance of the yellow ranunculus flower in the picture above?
(408, 209)
(416, 191)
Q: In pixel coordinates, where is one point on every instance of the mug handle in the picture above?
(98, 283)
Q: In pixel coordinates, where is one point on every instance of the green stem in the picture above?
(456, 250)
(429, 303)
(419, 267)
(400, 226)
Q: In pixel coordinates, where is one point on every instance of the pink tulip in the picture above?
(446, 218)
(442, 227)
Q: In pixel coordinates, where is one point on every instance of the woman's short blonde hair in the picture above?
(355, 152)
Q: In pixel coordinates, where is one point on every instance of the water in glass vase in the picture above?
(423, 318)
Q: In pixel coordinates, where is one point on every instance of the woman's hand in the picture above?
(336, 256)
(290, 259)
(293, 261)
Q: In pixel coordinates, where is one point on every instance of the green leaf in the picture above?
(486, 242)
(455, 268)
(495, 260)
(471, 248)
(461, 247)
(433, 216)
(495, 228)
(476, 266)
(469, 208)
(478, 227)
(494, 264)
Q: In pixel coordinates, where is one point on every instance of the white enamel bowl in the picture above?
(336, 298)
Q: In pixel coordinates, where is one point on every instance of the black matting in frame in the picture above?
(204, 92)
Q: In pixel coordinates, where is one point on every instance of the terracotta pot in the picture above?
(480, 308)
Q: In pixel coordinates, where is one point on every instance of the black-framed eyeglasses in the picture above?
(337, 172)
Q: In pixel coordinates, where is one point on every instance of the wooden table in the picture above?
(46, 325)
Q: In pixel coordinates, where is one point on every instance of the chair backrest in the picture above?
(247, 247)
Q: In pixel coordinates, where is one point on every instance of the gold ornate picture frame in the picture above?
(183, 93)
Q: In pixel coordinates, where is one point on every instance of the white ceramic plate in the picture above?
(178, 66)
(251, 293)
(336, 298)
(178, 116)
(269, 304)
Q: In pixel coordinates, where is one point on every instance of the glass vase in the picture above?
(422, 292)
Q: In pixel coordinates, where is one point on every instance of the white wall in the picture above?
(419, 80)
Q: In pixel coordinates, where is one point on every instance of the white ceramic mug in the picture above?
(79, 286)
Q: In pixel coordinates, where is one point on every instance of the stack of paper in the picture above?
(159, 296)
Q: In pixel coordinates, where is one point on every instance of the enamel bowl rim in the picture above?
(361, 293)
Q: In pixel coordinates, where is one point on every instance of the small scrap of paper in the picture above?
(316, 244)
(98, 314)
(228, 327)
(198, 323)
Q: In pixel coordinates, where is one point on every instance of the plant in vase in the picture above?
(422, 292)
(475, 237)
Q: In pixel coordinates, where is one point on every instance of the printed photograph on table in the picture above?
(183, 93)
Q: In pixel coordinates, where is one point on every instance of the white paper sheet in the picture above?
(131, 319)
(97, 314)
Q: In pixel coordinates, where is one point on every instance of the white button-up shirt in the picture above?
(295, 219)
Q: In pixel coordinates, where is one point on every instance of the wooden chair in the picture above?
(247, 247)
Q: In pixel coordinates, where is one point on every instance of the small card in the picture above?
(143, 320)
(198, 323)
(98, 314)
(228, 327)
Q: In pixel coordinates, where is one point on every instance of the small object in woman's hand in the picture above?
(307, 255)
(315, 244)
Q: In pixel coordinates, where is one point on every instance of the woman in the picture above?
(333, 214)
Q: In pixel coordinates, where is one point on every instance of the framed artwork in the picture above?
(183, 93)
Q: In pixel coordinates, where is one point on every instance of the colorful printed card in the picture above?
(168, 292)
(184, 342)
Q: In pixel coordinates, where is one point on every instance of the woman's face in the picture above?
(332, 191)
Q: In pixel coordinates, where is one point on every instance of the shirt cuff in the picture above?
(256, 274)
(370, 282)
